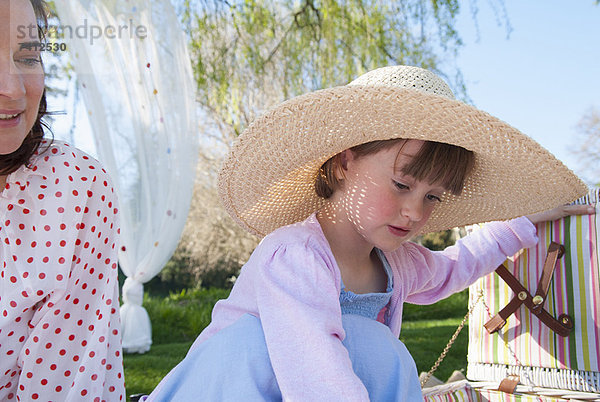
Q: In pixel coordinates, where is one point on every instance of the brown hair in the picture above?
(436, 162)
(11, 162)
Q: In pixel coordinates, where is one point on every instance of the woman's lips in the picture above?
(10, 118)
(398, 231)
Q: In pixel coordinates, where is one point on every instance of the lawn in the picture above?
(178, 318)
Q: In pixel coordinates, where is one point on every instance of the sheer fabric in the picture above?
(132, 64)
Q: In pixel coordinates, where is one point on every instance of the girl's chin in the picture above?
(391, 246)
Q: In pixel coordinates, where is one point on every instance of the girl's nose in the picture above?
(412, 208)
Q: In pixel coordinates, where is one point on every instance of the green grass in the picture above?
(178, 318)
(427, 339)
(452, 307)
(144, 372)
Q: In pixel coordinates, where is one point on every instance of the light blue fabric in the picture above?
(231, 366)
(380, 360)
(368, 304)
(234, 364)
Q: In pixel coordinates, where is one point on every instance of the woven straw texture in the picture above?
(267, 181)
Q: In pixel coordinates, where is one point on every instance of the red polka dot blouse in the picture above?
(59, 310)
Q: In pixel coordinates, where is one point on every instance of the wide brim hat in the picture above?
(267, 180)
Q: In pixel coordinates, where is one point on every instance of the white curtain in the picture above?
(134, 71)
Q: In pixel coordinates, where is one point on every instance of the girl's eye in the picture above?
(434, 198)
(400, 186)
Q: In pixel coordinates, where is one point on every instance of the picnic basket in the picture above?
(534, 324)
(544, 327)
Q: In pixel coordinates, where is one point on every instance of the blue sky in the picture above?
(544, 77)
(541, 80)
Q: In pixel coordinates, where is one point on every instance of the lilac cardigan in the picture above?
(292, 284)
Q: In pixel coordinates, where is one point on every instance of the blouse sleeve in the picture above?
(436, 275)
(73, 350)
(300, 313)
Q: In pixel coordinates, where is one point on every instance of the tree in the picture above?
(589, 146)
(250, 55)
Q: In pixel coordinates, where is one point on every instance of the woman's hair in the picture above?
(435, 162)
(11, 162)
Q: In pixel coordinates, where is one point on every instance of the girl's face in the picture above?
(381, 204)
(21, 73)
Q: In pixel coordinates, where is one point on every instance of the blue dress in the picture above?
(234, 365)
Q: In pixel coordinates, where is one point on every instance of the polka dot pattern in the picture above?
(59, 312)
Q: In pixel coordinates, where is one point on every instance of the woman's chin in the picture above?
(7, 147)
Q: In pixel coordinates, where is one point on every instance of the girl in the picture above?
(342, 178)
(59, 316)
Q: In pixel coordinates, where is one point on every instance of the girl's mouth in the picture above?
(398, 231)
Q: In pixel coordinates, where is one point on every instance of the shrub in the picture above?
(184, 271)
(180, 317)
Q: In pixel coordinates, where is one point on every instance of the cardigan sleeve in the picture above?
(299, 309)
(428, 277)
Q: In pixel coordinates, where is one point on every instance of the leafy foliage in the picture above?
(438, 240)
(182, 271)
(248, 55)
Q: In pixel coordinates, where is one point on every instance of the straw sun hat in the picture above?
(267, 180)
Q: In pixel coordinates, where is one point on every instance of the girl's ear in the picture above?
(345, 156)
(342, 164)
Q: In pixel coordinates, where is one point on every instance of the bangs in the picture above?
(436, 162)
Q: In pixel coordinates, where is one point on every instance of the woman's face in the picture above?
(21, 73)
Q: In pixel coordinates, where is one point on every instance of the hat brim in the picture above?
(267, 180)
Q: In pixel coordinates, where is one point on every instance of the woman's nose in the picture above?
(11, 80)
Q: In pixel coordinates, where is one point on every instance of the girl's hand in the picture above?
(561, 212)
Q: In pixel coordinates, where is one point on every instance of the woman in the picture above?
(59, 316)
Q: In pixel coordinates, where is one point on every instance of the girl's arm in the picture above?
(560, 212)
(437, 275)
(429, 276)
(298, 303)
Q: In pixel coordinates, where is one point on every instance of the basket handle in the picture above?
(561, 326)
(555, 251)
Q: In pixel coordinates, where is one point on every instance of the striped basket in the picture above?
(459, 391)
(465, 391)
(525, 346)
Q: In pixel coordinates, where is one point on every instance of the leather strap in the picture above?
(555, 251)
(499, 320)
(509, 384)
(562, 326)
